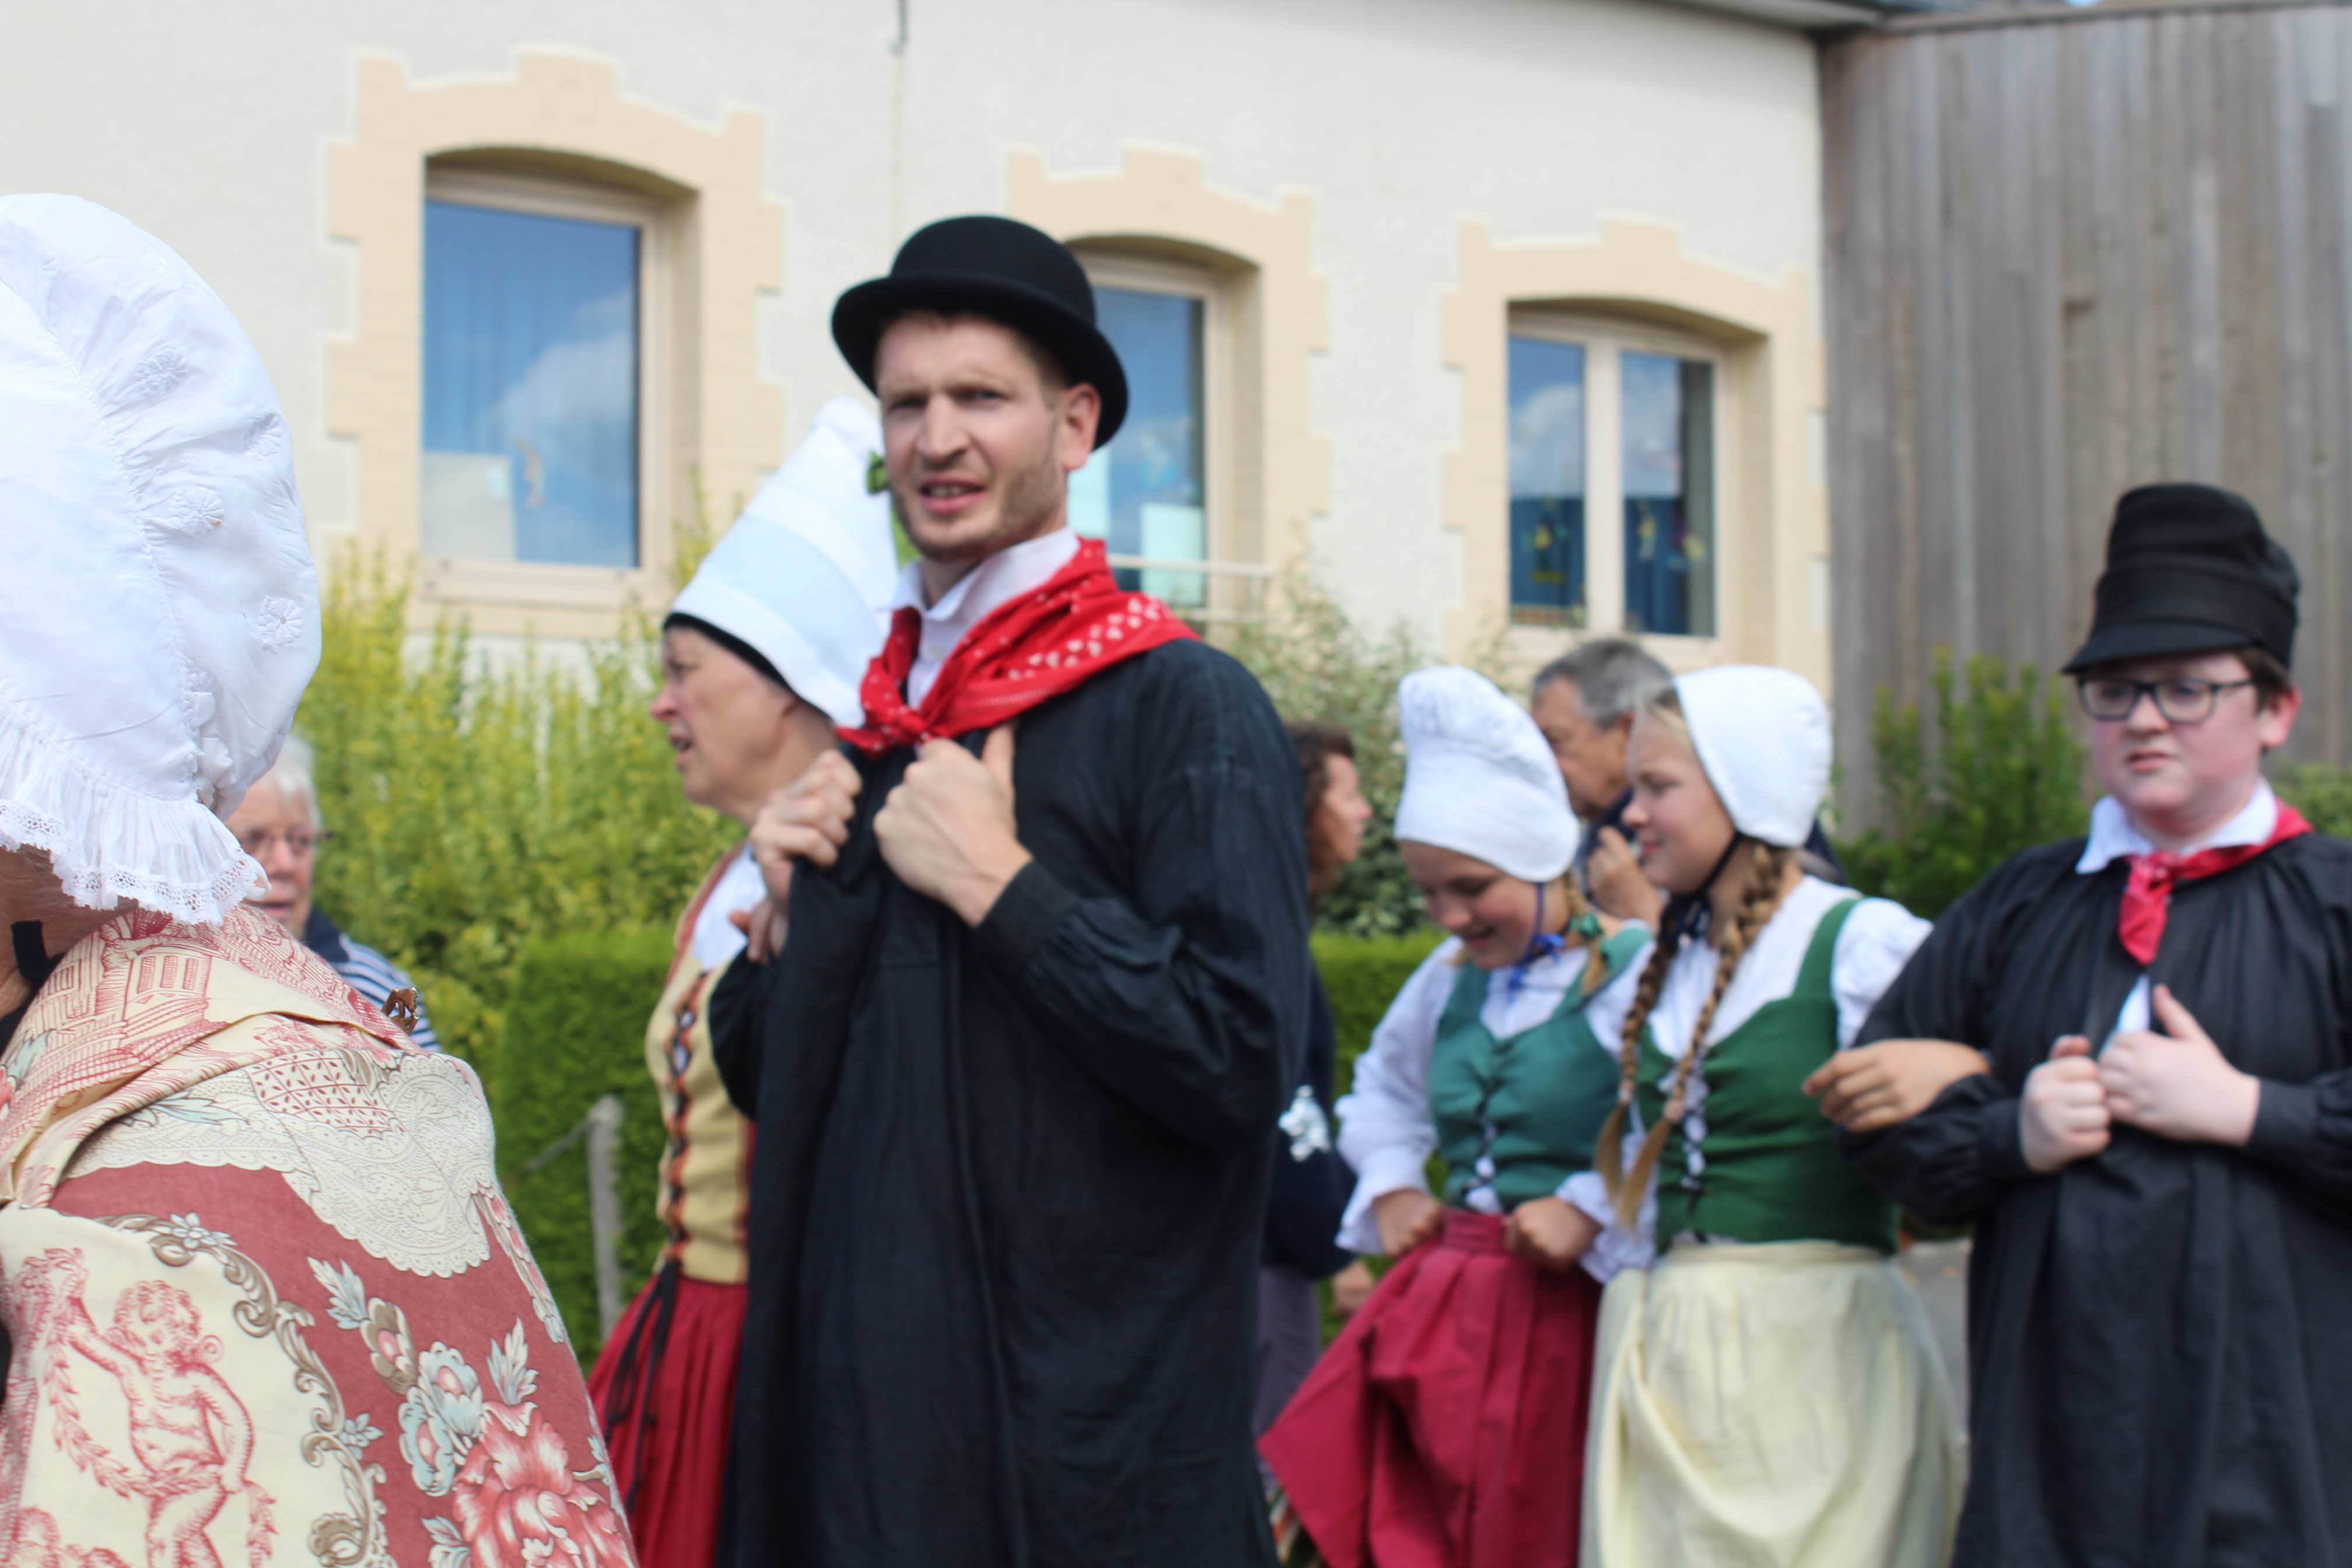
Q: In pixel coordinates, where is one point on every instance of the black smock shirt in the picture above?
(1008, 1181)
(2160, 1336)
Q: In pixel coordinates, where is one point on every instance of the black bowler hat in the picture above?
(2190, 570)
(1006, 271)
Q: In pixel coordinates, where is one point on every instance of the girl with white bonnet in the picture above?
(1447, 1423)
(1766, 1391)
(762, 656)
(264, 1302)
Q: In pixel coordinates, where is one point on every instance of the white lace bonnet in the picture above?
(159, 615)
(1479, 778)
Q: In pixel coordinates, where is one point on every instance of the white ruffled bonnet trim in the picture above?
(110, 844)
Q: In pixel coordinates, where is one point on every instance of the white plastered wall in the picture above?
(1397, 122)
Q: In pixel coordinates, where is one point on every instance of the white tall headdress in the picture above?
(806, 574)
(1763, 736)
(159, 615)
(1479, 777)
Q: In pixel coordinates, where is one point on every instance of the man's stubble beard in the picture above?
(1034, 498)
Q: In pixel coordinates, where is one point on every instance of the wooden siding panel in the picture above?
(2068, 255)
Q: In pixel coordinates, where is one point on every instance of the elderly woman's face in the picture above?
(727, 723)
(277, 832)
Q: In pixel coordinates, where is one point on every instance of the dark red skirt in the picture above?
(665, 1392)
(1445, 1428)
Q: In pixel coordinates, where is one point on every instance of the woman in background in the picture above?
(761, 659)
(1310, 1185)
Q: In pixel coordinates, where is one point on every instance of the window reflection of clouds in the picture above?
(531, 355)
(1653, 424)
(1151, 500)
(1546, 470)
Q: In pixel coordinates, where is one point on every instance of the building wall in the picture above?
(1420, 154)
(2071, 252)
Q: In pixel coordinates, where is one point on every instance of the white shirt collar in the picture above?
(2112, 837)
(1022, 568)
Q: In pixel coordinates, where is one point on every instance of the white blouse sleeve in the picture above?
(1878, 939)
(1386, 1131)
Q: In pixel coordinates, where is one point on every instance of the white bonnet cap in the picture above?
(1479, 777)
(1763, 736)
(159, 615)
(806, 574)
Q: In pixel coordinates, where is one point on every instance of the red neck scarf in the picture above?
(1078, 624)
(2148, 896)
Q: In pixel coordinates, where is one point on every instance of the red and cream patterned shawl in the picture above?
(266, 1301)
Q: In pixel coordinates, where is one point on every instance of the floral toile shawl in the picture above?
(265, 1302)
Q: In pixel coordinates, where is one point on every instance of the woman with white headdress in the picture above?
(1446, 1424)
(762, 656)
(1766, 1391)
(265, 1302)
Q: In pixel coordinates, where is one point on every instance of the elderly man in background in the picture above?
(264, 1302)
(1584, 703)
(278, 823)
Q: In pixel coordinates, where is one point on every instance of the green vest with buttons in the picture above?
(1770, 1170)
(1530, 1108)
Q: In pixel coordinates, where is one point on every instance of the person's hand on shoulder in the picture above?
(1875, 1087)
(2063, 1116)
(1618, 887)
(1406, 1218)
(1551, 1233)
(808, 819)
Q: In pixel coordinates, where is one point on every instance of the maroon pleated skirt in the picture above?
(1444, 1428)
(665, 1388)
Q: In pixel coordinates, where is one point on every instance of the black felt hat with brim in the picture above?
(1006, 271)
(2190, 570)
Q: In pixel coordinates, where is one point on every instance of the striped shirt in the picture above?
(366, 971)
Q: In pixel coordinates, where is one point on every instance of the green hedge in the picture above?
(575, 1031)
(1362, 976)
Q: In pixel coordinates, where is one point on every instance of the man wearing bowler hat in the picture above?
(2159, 1161)
(1015, 1073)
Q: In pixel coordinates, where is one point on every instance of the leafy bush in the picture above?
(475, 807)
(1992, 768)
(1319, 666)
(2323, 793)
(1362, 975)
(575, 1031)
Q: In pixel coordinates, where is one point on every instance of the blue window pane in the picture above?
(1669, 413)
(1547, 419)
(530, 387)
(1145, 493)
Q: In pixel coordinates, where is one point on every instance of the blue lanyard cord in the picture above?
(1545, 944)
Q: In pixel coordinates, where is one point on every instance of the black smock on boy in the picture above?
(1009, 1177)
(2160, 1333)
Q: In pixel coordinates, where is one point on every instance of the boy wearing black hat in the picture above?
(2160, 1162)
(1016, 1073)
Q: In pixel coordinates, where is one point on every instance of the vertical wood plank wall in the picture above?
(2068, 252)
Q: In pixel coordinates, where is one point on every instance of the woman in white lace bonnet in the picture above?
(237, 1200)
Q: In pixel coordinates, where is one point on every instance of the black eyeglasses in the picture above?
(2182, 699)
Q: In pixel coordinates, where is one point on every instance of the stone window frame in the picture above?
(1274, 470)
(1772, 498)
(557, 119)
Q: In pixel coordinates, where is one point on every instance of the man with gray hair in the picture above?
(1584, 703)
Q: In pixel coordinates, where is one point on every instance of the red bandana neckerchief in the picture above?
(2148, 896)
(1079, 624)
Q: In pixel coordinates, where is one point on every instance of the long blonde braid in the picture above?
(1768, 877)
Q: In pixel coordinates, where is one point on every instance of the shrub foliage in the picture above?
(1991, 768)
